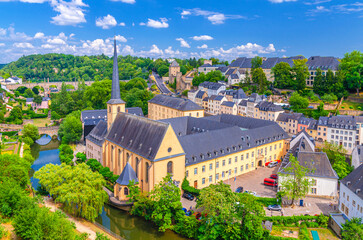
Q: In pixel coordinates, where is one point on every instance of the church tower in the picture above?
(115, 104)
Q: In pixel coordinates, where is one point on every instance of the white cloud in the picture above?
(281, 1)
(23, 45)
(122, 24)
(119, 38)
(2, 31)
(163, 23)
(350, 8)
(70, 13)
(204, 46)
(213, 17)
(34, 1)
(39, 35)
(183, 43)
(202, 38)
(56, 41)
(106, 22)
(125, 1)
(71, 35)
(2, 44)
(155, 50)
(127, 50)
(315, 2)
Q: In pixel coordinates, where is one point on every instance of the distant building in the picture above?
(44, 105)
(289, 121)
(322, 128)
(214, 104)
(322, 176)
(253, 100)
(351, 195)
(324, 63)
(209, 67)
(242, 108)
(357, 156)
(14, 80)
(234, 95)
(303, 124)
(228, 107)
(267, 111)
(199, 97)
(162, 106)
(269, 63)
(212, 88)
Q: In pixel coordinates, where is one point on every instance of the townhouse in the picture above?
(324, 63)
(211, 88)
(229, 107)
(214, 103)
(289, 122)
(267, 111)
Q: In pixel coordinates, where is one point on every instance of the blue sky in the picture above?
(181, 28)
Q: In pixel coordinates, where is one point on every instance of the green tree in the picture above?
(31, 131)
(54, 115)
(341, 167)
(353, 229)
(16, 115)
(167, 205)
(35, 90)
(162, 70)
(319, 86)
(259, 77)
(329, 98)
(183, 69)
(300, 73)
(14, 168)
(295, 184)
(298, 102)
(352, 69)
(78, 188)
(28, 93)
(283, 75)
(38, 99)
(70, 130)
(256, 62)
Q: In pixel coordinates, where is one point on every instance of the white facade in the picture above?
(349, 203)
(93, 151)
(214, 106)
(14, 80)
(211, 92)
(345, 137)
(357, 158)
(191, 95)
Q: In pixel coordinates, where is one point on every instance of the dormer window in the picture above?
(209, 154)
(194, 158)
(202, 156)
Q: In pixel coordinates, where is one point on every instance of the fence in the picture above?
(108, 231)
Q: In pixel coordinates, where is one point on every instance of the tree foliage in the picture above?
(298, 102)
(283, 75)
(259, 77)
(78, 188)
(31, 132)
(213, 76)
(353, 229)
(295, 184)
(15, 168)
(300, 73)
(70, 130)
(352, 68)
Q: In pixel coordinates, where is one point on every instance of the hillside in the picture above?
(62, 67)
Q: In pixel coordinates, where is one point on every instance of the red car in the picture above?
(267, 163)
(270, 182)
(273, 176)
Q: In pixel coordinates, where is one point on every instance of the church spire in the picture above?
(115, 90)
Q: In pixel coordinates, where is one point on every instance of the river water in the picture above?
(116, 220)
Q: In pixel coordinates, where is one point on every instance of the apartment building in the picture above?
(234, 95)
(211, 88)
(214, 103)
(267, 111)
(253, 100)
(324, 63)
(269, 63)
(162, 106)
(312, 129)
(289, 122)
(242, 108)
(351, 195)
(303, 124)
(357, 156)
(229, 107)
(342, 130)
(322, 129)
(199, 97)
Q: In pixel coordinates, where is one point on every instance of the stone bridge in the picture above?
(51, 130)
(45, 85)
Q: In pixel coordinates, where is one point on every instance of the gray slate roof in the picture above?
(230, 71)
(305, 121)
(206, 65)
(174, 64)
(175, 103)
(228, 103)
(211, 85)
(206, 138)
(222, 69)
(98, 133)
(243, 103)
(94, 114)
(234, 76)
(323, 121)
(135, 110)
(324, 63)
(355, 180)
(242, 62)
(342, 122)
(137, 134)
(271, 62)
(199, 94)
(284, 117)
(127, 175)
(268, 106)
(216, 97)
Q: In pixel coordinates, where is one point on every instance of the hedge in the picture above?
(187, 188)
(267, 201)
(9, 134)
(309, 221)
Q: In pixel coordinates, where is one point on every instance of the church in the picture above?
(204, 150)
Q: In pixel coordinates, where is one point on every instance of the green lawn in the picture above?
(324, 233)
(40, 122)
(348, 105)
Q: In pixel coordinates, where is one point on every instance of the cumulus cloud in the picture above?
(56, 41)
(183, 43)
(23, 45)
(127, 50)
(163, 23)
(2, 44)
(39, 35)
(106, 22)
(348, 8)
(70, 13)
(119, 38)
(281, 1)
(125, 1)
(204, 46)
(122, 24)
(213, 17)
(202, 38)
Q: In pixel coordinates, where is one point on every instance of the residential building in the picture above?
(267, 111)
(324, 63)
(322, 176)
(228, 107)
(163, 106)
(242, 108)
(234, 79)
(242, 63)
(289, 121)
(269, 63)
(342, 130)
(191, 94)
(252, 101)
(43, 105)
(351, 195)
(312, 129)
(357, 156)
(94, 141)
(13, 80)
(303, 124)
(211, 88)
(208, 67)
(214, 103)
(199, 97)
(234, 95)
(322, 129)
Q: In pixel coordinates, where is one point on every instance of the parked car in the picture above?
(275, 207)
(239, 190)
(273, 176)
(188, 196)
(270, 182)
(272, 164)
(252, 193)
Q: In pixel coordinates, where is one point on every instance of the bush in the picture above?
(314, 221)
(66, 154)
(267, 201)
(3, 232)
(187, 188)
(350, 107)
(101, 236)
(81, 157)
(304, 233)
(188, 227)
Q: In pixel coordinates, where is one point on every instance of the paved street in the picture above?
(160, 84)
(253, 181)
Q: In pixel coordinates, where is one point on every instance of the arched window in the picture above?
(127, 157)
(119, 158)
(137, 167)
(112, 150)
(170, 167)
(109, 109)
(146, 172)
(126, 191)
(118, 109)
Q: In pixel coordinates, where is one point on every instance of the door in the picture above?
(195, 184)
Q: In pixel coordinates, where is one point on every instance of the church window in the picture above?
(170, 167)
(147, 172)
(118, 109)
(126, 191)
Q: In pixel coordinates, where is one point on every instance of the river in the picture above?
(116, 220)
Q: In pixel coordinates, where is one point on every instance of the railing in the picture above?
(108, 231)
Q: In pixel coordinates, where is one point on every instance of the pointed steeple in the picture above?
(115, 90)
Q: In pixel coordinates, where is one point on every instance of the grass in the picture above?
(324, 233)
(348, 105)
(40, 122)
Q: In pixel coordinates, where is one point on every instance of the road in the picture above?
(160, 84)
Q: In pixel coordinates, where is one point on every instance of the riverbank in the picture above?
(82, 226)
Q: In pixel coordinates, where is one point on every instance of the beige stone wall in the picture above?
(112, 111)
(157, 112)
(93, 151)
